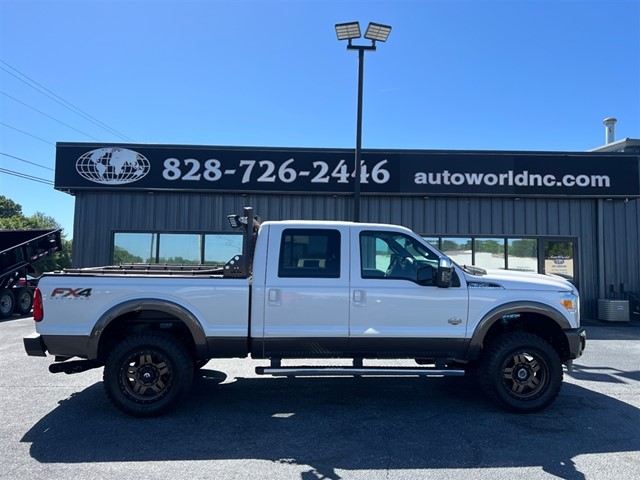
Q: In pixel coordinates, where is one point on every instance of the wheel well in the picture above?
(141, 321)
(534, 323)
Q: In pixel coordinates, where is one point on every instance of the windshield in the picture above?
(409, 247)
(471, 269)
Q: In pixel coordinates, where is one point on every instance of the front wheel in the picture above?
(148, 374)
(521, 372)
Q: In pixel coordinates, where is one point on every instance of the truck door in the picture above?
(306, 310)
(391, 311)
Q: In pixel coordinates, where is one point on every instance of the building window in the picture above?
(219, 249)
(489, 253)
(458, 249)
(522, 254)
(134, 248)
(175, 248)
(179, 248)
(435, 241)
(558, 258)
(308, 253)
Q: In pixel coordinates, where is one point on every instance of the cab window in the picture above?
(309, 253)
(394, 255)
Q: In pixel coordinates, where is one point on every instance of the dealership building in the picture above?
(574, 214)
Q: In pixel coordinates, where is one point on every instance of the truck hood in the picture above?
(514, 280)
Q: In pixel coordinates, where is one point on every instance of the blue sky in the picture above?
(480, 75)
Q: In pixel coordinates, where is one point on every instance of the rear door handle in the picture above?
(359, 298)
(275, 296)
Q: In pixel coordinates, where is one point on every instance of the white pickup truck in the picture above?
(310, 289)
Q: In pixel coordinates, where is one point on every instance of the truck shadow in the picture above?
(15, 316)
(330, 424)
(602, 331)
(604, 374)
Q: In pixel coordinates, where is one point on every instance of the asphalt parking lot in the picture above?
(240, 425)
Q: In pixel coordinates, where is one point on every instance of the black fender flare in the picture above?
(166, 306)
(493, 316)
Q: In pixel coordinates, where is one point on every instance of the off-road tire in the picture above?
(521, 372)
(146, 375)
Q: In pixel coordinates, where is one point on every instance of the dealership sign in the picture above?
(331, 171)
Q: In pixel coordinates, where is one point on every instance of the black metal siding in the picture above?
(99, 214)
(621, 246)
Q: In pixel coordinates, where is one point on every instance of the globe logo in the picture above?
(112, 166)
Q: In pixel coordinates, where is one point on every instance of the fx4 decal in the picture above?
(81, 293)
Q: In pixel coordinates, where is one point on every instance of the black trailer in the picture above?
(19, 249)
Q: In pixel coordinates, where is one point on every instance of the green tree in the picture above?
(489, 246)
(37, 221)
(122, 255)
(9, 208)
(527, 248)
(558, 249)
(177, 261)
(58, 261)
(456, 246)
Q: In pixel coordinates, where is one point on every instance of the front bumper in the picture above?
(34, 345)
(577, 340)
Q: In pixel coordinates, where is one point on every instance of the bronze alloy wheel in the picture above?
(521, 371)
(523, 376)
(148, 374)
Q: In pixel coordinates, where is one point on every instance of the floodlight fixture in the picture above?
(236, 221)
(348, 31)
(377, 32)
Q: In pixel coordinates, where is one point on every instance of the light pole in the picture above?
(376, 32)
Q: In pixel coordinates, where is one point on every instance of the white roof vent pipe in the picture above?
(610, 129)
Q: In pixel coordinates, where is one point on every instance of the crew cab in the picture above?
(310, 289)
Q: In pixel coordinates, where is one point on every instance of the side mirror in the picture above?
(426, 275)
(445, 273)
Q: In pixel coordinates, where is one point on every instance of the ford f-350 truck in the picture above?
(310, 289)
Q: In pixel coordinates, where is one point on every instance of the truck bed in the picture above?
(77, 300)
(148, 269)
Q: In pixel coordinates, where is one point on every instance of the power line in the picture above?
(27, 133)
(49, 116)
(58, 99)
(26, 177)
(27, 161)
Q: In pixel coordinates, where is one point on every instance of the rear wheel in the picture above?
(148, 374)
(24, 300)
(7, 303)
(521, 372)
